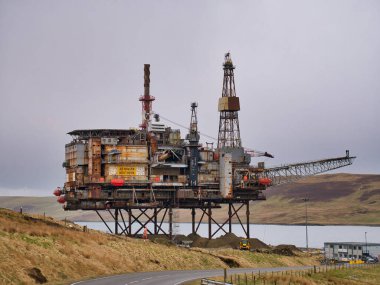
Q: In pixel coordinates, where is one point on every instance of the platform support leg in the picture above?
(130, 222)
(209, 221)
(116, 221)
(193, 220)
(155, 221)
(229, 217)
(170, 222)
(248, 213)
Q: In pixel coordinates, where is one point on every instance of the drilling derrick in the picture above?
(193, 138)
(232, 155)
(146, 99)
(229, 133)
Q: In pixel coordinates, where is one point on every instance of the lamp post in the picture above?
(307, 237)
(366, 244)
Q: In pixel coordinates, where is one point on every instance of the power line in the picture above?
(187, 128)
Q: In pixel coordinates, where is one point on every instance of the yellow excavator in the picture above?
(244, 244)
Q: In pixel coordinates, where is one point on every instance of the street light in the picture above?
(307, 237)
(366, 245)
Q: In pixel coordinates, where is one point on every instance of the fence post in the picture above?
(225, 275)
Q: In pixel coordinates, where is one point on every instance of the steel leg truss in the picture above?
(141, 218)
(233, 211)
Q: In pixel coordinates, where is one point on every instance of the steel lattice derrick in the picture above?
(291, 172)
(229, 132)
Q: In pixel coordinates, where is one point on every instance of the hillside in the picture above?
(37, 248)
(334, 199)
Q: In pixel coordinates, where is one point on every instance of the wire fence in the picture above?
(285, 277)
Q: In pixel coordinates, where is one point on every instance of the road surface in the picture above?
(174, 277)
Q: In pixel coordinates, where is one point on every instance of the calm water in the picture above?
(276, 234)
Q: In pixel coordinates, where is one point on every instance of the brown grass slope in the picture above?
(31, 245)
(334, 199)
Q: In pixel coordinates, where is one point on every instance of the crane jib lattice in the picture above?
(291, 172)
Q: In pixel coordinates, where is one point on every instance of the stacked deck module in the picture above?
(108, 168)
(153, 166)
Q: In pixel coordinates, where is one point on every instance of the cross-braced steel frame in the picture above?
(292, 172)
(233, 211)
(125, 219)
(142, 218)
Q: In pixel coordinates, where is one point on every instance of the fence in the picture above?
(287, 277)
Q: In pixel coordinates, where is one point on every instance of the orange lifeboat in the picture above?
(265, 181)
(117, 182)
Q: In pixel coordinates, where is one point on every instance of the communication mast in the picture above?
(146, 99)
(229, 133)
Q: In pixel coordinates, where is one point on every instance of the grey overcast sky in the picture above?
(307, 74)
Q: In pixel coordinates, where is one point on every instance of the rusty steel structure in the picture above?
(139, 177)
(229, 106)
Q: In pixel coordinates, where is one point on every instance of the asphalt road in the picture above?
(173, 277)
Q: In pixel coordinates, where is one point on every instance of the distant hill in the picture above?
(334, 199)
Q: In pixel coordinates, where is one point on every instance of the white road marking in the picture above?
(180, 282)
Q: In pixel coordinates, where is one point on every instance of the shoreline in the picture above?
(262, 224)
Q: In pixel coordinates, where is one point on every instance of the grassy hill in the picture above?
(334, 199)
(41, 248)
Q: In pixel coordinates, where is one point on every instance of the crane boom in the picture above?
(292, 172)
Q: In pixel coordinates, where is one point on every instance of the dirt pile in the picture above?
(228, 240)
(285, 249)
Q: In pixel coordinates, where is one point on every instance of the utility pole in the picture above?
(307, 237)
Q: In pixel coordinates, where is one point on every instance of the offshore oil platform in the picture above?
(139, 176)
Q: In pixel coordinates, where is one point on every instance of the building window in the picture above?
(354, 247)
(360, 248)
(331, 246)
(340, 247)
